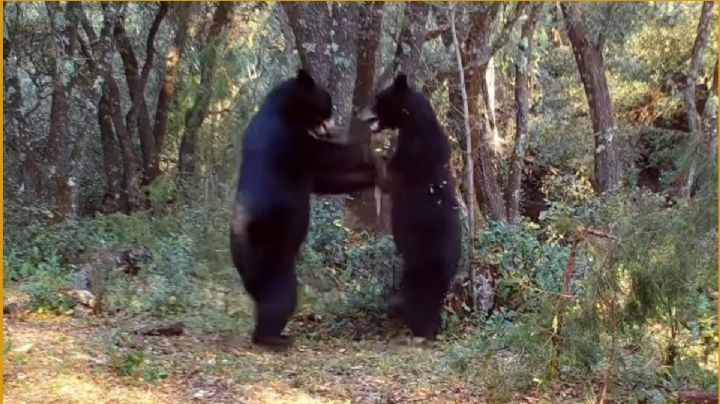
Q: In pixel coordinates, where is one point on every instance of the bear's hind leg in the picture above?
(275, 302)
(425, 285)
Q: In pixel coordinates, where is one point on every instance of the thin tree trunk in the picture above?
(694, 118)
(591, 65)
(409, 47)
(111, 156)
(468, 157)
(169, 81)
(131, 165)
(522, 72)
(197, 113)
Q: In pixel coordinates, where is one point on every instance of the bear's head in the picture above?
(391, 106)
(308, 105)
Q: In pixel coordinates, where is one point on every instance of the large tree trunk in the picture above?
(345, 25)
(30, 178)
(313, 44)
(343, 61)
(690, 93)
(591, 65)
(60, 144)
(522, 72)
(197, 113)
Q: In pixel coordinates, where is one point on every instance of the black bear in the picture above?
(425, 221)
(286, 156)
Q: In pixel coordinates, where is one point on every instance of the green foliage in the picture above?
(129, 359)
(44, 290)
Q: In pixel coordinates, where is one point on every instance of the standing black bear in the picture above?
(283, 161)
(425, 221)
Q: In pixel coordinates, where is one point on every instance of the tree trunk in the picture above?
(59, 150)
(131, 166)
(138, 113)
(289, 37)
(313, 44)
(111, 156)
(410, 43)
(690, 93)
(30, 176)
(522, 72)
(362, 206)
(591, 65)
(477, 50)
(169, 81)
(110, 118)
(345, 25)
(470, 196)
(475, 61)
(197, 113)
(488, 92)
(488, 192)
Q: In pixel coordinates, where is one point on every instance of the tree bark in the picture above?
(362, 205)
(111, 155)
(477, 50)
(138, 113)
(522, 71)
(110, 118)
(169, 81)
(197, 113)
(313, 45)
(30, 178)
(468, 157)
(345, 25)
(410, 43)
(591, 65)
(690, 93)
(131, 165)
(289, 43)
(60, 145)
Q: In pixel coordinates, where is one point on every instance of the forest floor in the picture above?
(82, 358)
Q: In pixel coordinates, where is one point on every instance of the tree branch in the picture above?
(150, 44)
(504, 36)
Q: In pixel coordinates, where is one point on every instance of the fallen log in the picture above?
(698, 397)
(166, 330)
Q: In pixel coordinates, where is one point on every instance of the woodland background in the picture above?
(590, 275)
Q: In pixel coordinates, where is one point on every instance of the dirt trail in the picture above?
(59, 359)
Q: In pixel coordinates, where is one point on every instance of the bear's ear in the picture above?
(304, 78)
(400, 83)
